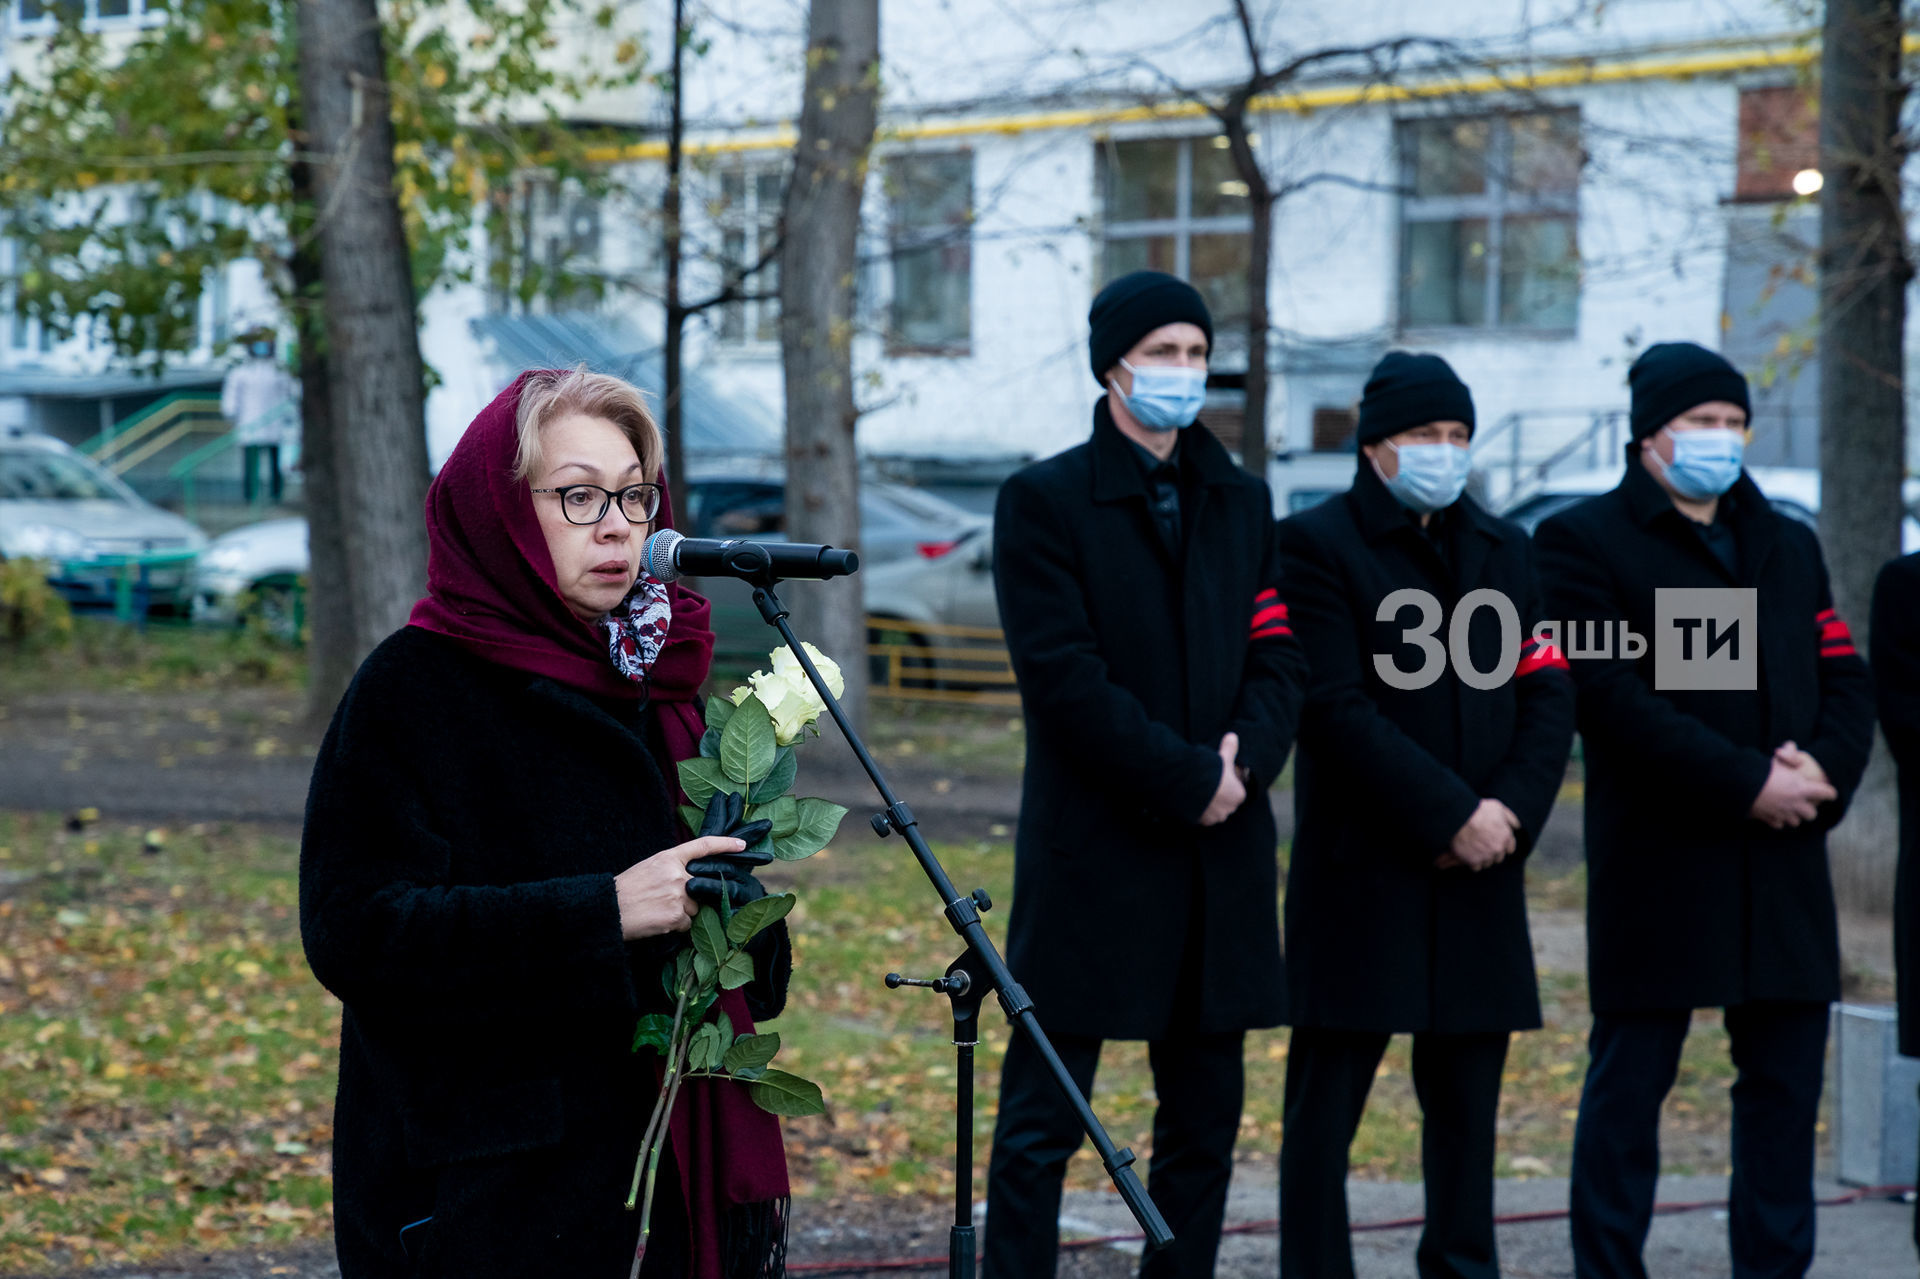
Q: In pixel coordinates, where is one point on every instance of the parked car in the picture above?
(953, 587)
(256, 570)
(58, 505)
(896, 522)
(1793, 490)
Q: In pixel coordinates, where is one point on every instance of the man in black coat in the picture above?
(1894, 641)
(1709, 793)
(1423, 779)
(1138, 587)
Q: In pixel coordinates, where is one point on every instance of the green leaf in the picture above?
(784, 813)
(719, 711)
(709, 935)
(676, 974)
(783, 1094)
(758, 915)
(704, 971)
(706, 1048)
(692, 816)
(710, 743)
(653, 1032)
(737, 971)
(819, 820)
(786, 766)
(725, 1023)
(751, 1052)
(701, 778)
(747, 748)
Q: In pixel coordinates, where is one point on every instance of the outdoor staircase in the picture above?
(180, 453)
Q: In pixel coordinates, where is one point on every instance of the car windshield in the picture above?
(38, 475)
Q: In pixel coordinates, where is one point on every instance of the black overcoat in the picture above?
(1377, 938)
(1691, 901)
(456, 893)
(1133, 661)
(1894, 639)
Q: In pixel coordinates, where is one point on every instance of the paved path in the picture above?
(1871, 1239)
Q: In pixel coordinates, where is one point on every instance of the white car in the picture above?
(58, 505)
(255, 570)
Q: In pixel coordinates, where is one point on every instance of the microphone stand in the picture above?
(979, 969)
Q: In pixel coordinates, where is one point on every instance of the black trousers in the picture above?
(252, 456)
(1199, 1079)
(1779, 1050)
(1457, 1079)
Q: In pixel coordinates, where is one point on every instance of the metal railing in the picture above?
(1515, 462)
(163, 423)
(187, 469)
(934, 662)
(132, 577)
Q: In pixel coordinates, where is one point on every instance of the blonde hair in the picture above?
(552, 394)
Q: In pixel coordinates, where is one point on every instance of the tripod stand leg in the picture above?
(960, 1250)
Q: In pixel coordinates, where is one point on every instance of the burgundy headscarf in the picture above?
(491, 587)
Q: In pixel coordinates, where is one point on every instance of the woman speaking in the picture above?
(493, 876)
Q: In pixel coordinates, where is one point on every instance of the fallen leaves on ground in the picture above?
(167, 1062)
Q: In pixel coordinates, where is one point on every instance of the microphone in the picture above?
(669, 556)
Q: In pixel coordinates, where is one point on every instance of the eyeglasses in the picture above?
(587, 503)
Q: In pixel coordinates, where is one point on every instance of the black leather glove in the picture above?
(729, 873)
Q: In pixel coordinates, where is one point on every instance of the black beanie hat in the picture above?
(1671, 377)
(1135, 305)
(1407, 390)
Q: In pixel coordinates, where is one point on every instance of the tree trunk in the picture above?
(1253, 431)
(375, 382)
(329, 612)
(1863, 276)
(670, 358)
(816, 320)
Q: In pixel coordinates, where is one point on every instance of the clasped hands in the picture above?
(1796, 787)
(1488, 838)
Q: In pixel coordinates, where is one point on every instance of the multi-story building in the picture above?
(1534, 195)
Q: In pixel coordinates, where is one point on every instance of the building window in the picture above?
(748, 214)
(32, 17)
(1779, 152)
(1333, 429)
(1488, 235)
(930, 244)
(1178, 205)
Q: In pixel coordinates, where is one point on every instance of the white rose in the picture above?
(741, 694)
(786, 665)
(791, 706)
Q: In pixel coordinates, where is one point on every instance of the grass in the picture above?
(167, 655)
(167, 1062)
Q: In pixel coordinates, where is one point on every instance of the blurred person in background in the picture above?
(260, 398)
(493, 876)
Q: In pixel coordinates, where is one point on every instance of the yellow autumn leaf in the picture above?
(115, 1070)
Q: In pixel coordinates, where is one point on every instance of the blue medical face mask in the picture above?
(1705, 463)
(261, 348)
(1431, 476)
(1164, 399)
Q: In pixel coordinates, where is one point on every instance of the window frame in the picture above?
(137, 15)
(1181, 228)
(902, 239)
(1495, 205)
(753, 223)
